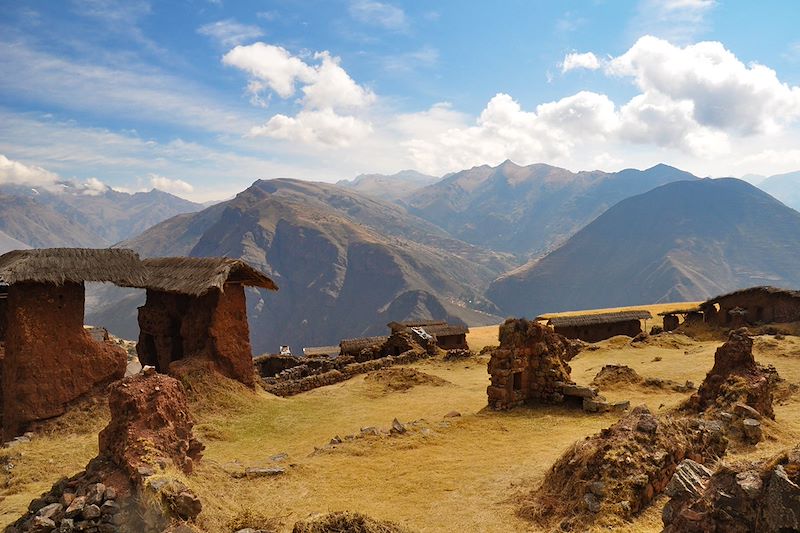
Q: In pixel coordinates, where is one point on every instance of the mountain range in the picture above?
(686, 240)
(346, 264)
(784, 187)
(70, 217)
(471, 247)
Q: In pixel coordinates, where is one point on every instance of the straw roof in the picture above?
(684, 311)
(599, 318)
(321, 350)
(197, 275)
(76, 265)
(754, 290)
(446, 330)
(423, 324)
(356, 345)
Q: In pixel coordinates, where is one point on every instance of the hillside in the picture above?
(687, 240)
(527, 210)
(346, 264)
(784, 187)
(394, 187)
(73, 218)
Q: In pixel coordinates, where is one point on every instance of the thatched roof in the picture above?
(446, 330)
(685, 311)
(197, 275)
(753, 290)
(321, 350)
(438, 328)
(63, 265)
(356, 345)
(599, 318)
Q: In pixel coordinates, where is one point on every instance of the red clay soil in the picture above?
(50, 360)
(150, 425)
(736, 378)
(615, 474)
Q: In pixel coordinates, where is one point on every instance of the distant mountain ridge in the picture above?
(398, 186)
(784, 187)
(41, 218)
(346, 264)
(686, 240)
(528, 210)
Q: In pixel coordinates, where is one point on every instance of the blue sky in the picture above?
(203, 97)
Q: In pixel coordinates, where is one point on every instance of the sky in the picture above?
(202, 97)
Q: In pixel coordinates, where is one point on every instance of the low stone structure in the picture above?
(738, 498)
(530, 366)
(616, 473)
(446, 336)
(196, 307)
(736, 378)
(599, 326)
(756, 305)
(354, 347)
(49, 359)
(287, 375)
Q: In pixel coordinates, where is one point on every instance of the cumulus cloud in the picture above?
(93, 187)
(322, 126)
(165, 184)
(16, 173)
(378, 14)
(575, 60)
(723, 92)
(229, 32)
(330, 95)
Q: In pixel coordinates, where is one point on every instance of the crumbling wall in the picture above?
(736, 378)
(50, 359)
(737, 498)
(214, 325)
(529, 365)
(616, 473)
(600, 332)
(761, 307)
(126, 489)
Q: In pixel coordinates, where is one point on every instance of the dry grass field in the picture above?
(446, 474)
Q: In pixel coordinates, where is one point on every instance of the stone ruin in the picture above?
(287, 375)
(124, 488)
(737, 498)
(530, 366)
(615, 474)
(736, 378)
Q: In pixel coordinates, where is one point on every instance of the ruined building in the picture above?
(446, 336)
(49, 358)
(752, 306)
(599, 326)
(530, 366)
(196, 308)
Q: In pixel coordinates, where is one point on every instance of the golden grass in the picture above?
(461, 474)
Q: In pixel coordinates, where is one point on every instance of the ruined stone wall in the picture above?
(3, 318)
(453, 342)
(50, 359)
(529, 365)
(600, 332)
(214, 325)
(761, 307)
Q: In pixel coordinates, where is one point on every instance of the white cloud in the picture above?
(230, 33)
(165, 184)
(16, 173)
(320, 127)
(325, 85)
(379, 14)
(723, 92)
(575, 60)
(93, 187)
(272, 66)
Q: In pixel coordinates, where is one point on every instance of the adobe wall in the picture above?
(761, 307)
(174, 326)
(50, 360)
(600, 332)
(529, 365)
(453, 342)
